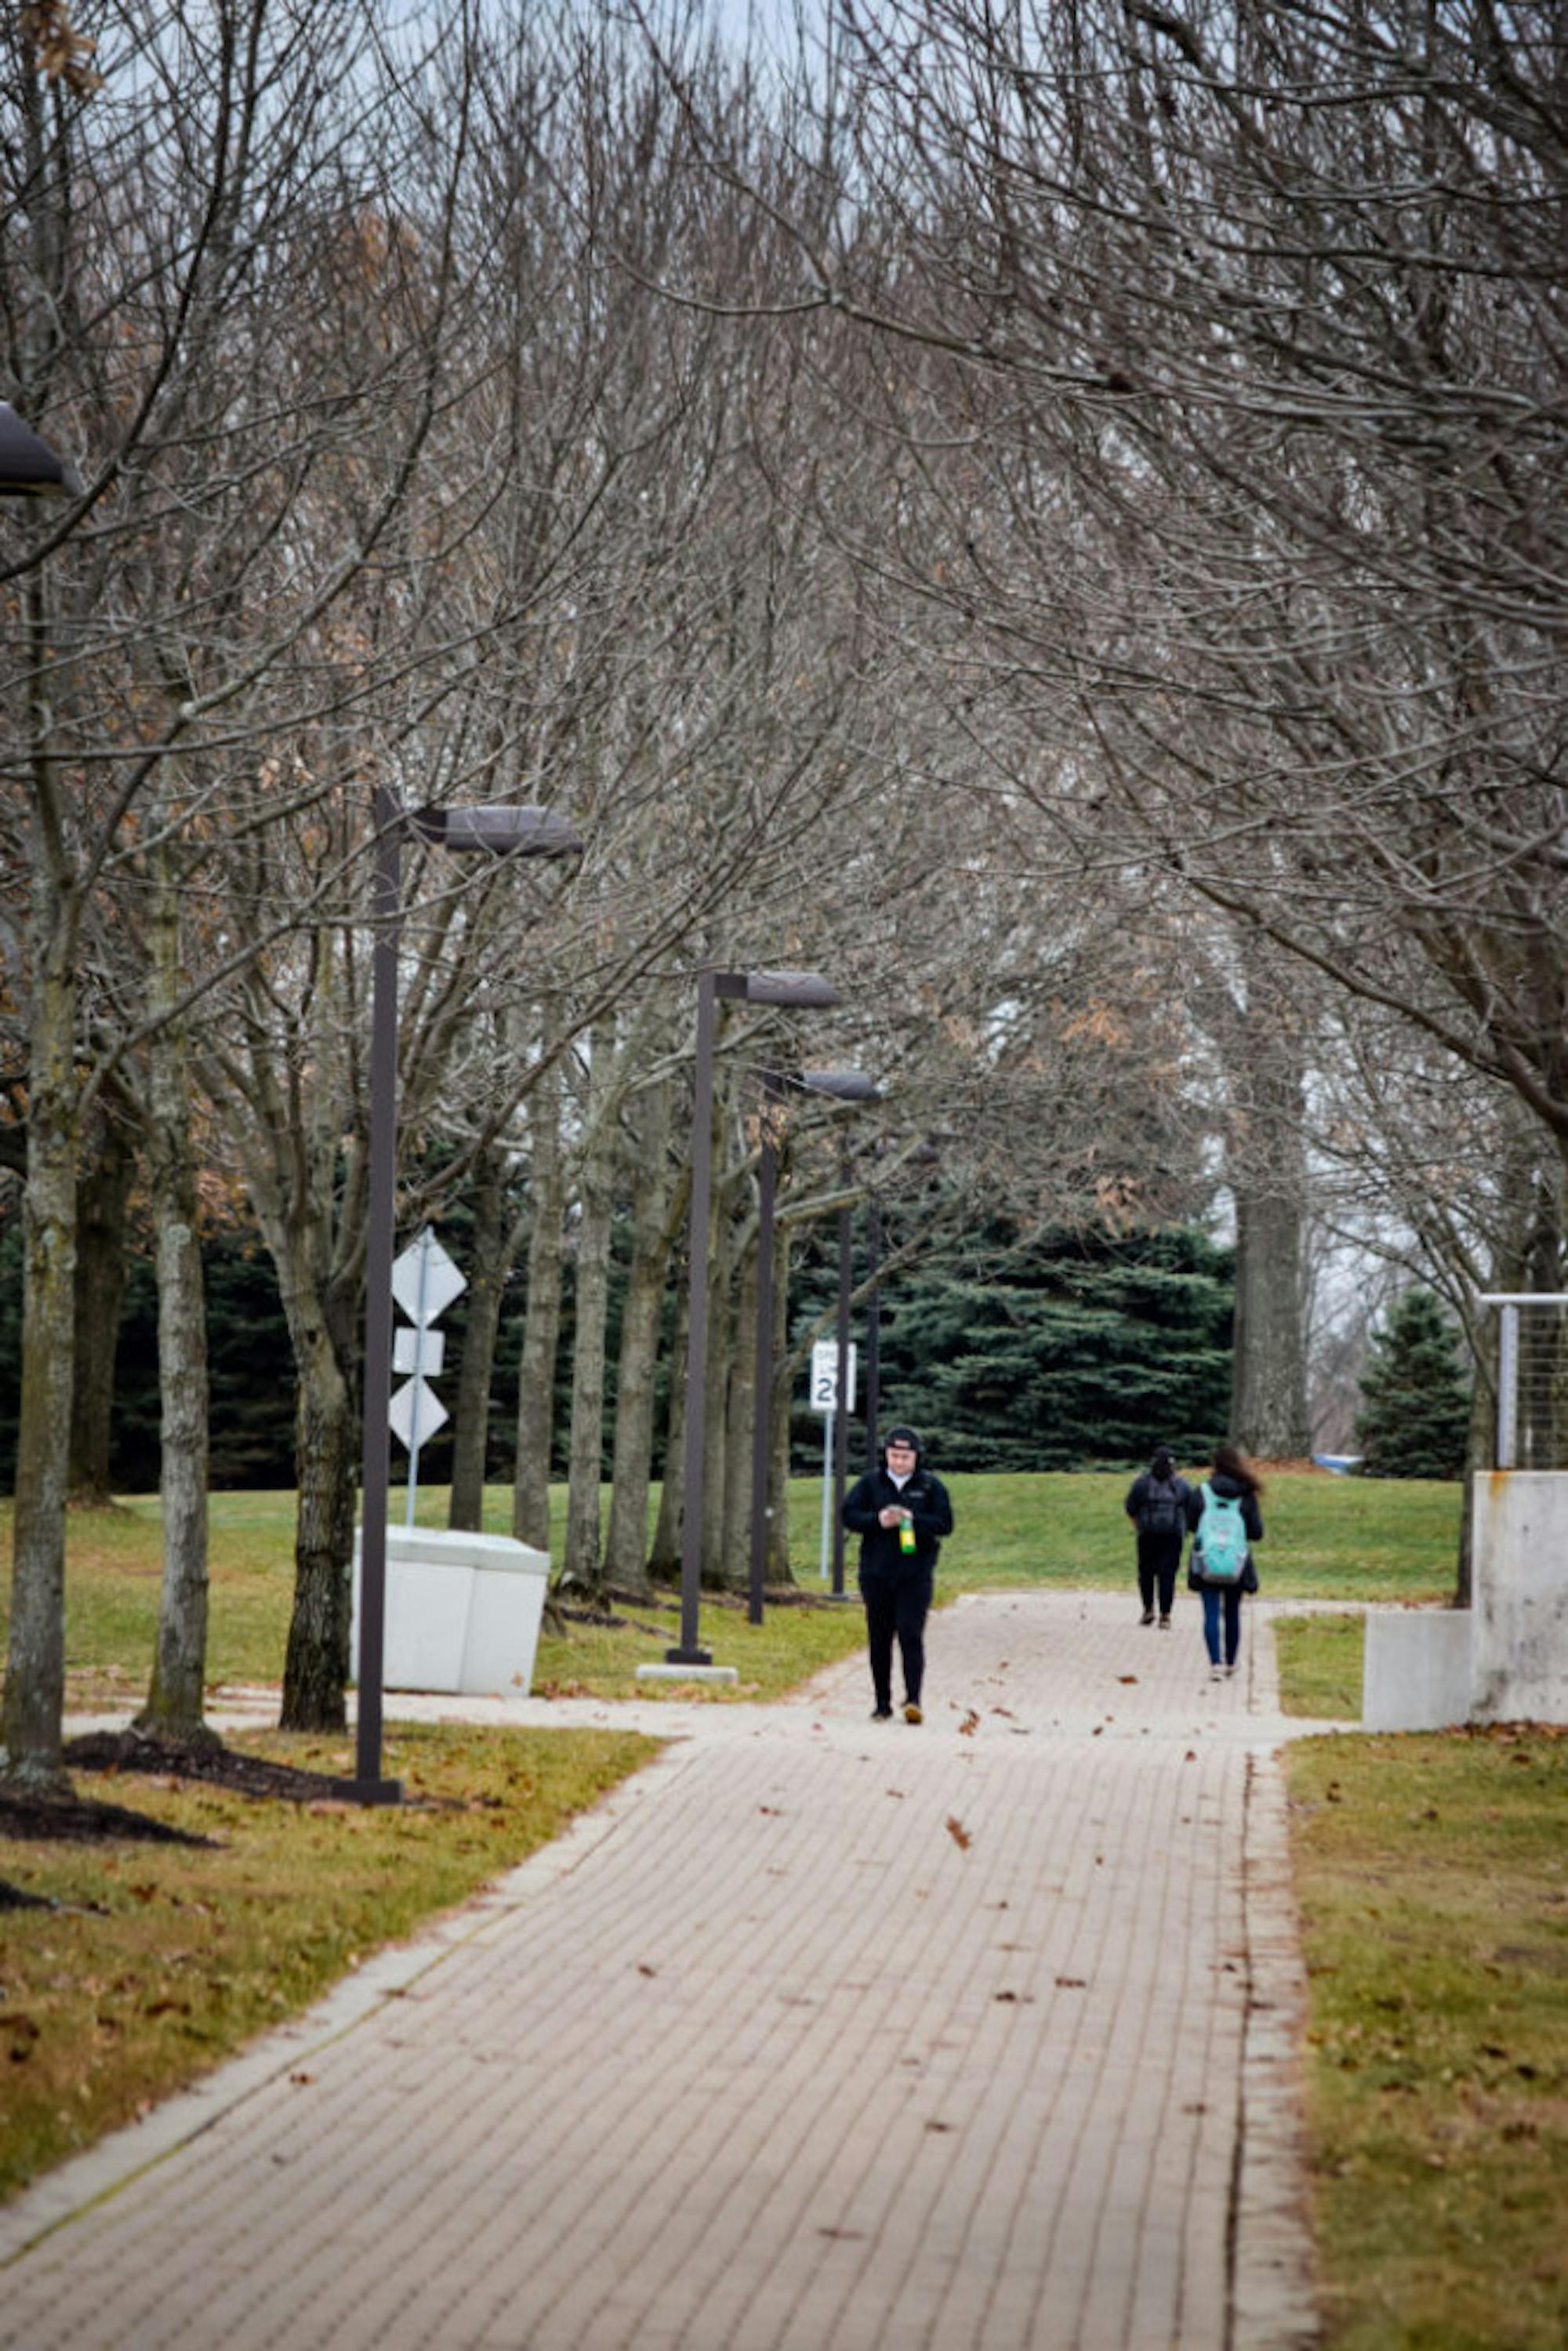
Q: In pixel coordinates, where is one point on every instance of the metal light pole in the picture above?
(874, 1335)
(840, 1085)
(841, 1417)
(800, 989)
(502, 831)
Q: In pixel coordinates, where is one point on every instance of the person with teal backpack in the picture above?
(1224, 1520)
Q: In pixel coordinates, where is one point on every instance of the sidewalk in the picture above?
(819, 2035)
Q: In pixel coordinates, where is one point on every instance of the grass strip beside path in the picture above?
(1321, 1661)
(1432, 1875)
(163, 1960)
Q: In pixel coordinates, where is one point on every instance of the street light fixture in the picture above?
(801, 990)
(503, 833)
(840, 1085)
(29, 467)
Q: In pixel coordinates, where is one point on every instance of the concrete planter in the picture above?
(462, 1611)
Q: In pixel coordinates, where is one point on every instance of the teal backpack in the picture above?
(1221, 1537)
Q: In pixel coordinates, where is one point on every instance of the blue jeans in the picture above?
(1226, 1598)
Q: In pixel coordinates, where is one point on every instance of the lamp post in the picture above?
(503, 833)
(874, 1335)
(29, 467)
(840, 1085)
(803, 990)
(841, 1419)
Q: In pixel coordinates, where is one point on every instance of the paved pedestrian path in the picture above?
(819, 2035)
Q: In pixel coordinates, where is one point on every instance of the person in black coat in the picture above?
(1231, 1479)
(901, 1511)
(1157, 1504)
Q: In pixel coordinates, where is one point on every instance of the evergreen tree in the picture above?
(1062, 1350)
(1416, 1399)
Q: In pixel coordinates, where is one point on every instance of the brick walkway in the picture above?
(819, 2035)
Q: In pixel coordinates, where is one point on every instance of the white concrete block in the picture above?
(1521, 1663)
(1416, 1675)
(463, 1611)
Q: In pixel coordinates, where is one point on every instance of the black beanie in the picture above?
(901, 1434)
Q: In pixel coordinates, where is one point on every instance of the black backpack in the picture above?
(1162, 1509)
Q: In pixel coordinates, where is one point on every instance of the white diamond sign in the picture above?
(425, 1280)
(433, 1412)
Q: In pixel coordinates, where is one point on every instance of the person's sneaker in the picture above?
(912, 1711)
(881, 1714)
(1165, 1623)
(1147, 1617)
(1217, 1673)
(1230, 1669)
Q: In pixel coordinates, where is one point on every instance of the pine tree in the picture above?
(1416, 1398)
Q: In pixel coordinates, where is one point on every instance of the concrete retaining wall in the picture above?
(1506, 1658)
(1520, 1661)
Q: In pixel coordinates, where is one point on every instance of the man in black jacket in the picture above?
(900, 1511)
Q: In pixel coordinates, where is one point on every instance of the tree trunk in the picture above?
(486, 1282)
(30, 1718)
(778, 1569)
(174, 1699)
(720, 1344)
(596, 1194)
(626, 1545)
(315, 1668)
(103, 1191)
(665, 1559)
(741, 1405)
(30, 1723)
(1267, 1174)
(541, 1319)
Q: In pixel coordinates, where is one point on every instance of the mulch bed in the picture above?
(82, 1820)
(73, 1819)
(217, 1767)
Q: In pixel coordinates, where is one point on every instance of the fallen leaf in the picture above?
(300, 2080)
(1072, 1983)
(1126, 1677)
(967, 1729)
(959, 1834)
(644, 1969)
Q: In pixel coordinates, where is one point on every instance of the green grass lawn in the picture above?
(1327, 1538)
(1320, 1660)
(1432, 1875)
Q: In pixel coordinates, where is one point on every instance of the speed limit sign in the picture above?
(825, 1375)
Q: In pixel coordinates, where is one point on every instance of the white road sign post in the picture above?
(825, 1399)
(424, 1283)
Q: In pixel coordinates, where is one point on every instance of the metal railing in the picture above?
(1532, 1378)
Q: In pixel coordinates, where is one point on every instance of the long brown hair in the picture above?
(1229, 1463)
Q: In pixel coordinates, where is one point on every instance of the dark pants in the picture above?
(1159, 1556)
(1226, 1599)
(898, 1609)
